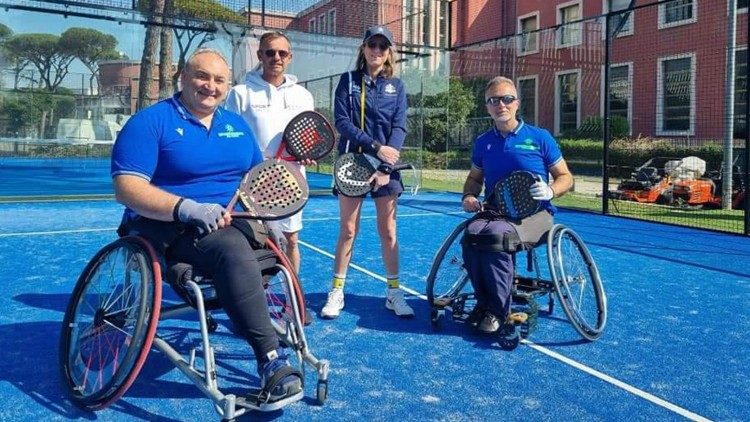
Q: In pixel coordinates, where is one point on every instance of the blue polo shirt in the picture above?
(527, 148)
(385, 112)
(166, 145)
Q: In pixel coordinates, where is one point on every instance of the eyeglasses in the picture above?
(271, 53)
(505, 99)
(380, 45)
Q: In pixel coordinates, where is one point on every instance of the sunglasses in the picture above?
(505, 99)
(380, 45)
(271, 53)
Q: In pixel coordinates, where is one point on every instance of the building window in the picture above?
(620, 91)
(675, 96)
(567, 102)
(528, 38)
(312, 25)
(614, 6)
(322, 24)
(527, 93)
(742, 6)
(677, 12)
(568, 34)
(740, 93)
(332, 21)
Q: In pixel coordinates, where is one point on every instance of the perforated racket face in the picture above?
(273, 190)
(309, 136)
(513, 195)
(352, 173)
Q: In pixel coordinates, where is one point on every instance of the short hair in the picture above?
(498, 80)
(203, 50)
(272, 35)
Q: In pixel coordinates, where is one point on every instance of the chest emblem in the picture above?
(180, 130)
(389, 89)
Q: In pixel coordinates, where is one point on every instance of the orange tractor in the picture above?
(649, 183)
(674, 181)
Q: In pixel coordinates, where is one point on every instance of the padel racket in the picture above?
(352, 172)
(308, 136)
(513, 196)
(272, 190)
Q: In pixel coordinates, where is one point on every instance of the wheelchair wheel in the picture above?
(286, 304)
(110, 323)
(577, 282)
(447, 278)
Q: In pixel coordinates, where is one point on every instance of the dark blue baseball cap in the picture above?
(379, 30)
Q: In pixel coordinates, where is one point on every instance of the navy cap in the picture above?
(379, 30)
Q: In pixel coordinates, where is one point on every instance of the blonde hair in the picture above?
(388, 66)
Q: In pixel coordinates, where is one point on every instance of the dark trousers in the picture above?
(227, 257)
(492, 272)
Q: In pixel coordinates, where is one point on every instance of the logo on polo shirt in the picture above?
(389, 89)
(527, 144)
(229, 132)
(180, 130)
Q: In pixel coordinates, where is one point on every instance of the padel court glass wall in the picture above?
(638, 98)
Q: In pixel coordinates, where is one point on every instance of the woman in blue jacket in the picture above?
(370, 112)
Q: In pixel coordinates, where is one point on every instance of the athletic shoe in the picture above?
(288, 389)
(489, 324)
(394, 300)
(475, 316)
(334, 304)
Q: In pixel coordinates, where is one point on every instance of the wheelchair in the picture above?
(573, 278)
(111, 324)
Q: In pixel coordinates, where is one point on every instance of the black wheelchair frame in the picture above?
(111, 322)
(574, 280)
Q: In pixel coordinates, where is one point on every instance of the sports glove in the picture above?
(204, 216)
(541, 191)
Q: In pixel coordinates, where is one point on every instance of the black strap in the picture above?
(506, 242)
(265, 393)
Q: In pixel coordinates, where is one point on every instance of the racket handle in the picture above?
(404, 166)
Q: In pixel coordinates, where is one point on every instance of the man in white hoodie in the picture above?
(268, 100)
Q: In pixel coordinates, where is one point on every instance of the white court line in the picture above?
(604, 377)
(593, 372)
(112, 229)
(51, 232)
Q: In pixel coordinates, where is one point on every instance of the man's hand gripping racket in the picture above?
(354, 174)
(520, 194)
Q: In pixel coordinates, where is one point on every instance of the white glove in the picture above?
(541, 191)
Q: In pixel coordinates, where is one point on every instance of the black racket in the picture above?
(308, 136)
(272, 190)
(352, 173)
(513, 196)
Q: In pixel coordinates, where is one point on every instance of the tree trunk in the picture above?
(165, 55)
(149, 56)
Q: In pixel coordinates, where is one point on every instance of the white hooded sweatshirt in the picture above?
(268, 109)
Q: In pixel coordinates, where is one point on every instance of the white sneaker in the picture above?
(394, 300)
(334, 304)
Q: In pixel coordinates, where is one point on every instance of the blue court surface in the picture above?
(675, 346)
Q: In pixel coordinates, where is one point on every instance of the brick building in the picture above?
(667, 59)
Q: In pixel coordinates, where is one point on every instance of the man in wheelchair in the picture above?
(175, 166)
(491, 239)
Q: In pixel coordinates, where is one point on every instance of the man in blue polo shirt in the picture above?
(175, 166)
(510, 145)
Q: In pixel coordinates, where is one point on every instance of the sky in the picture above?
(130, 39)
